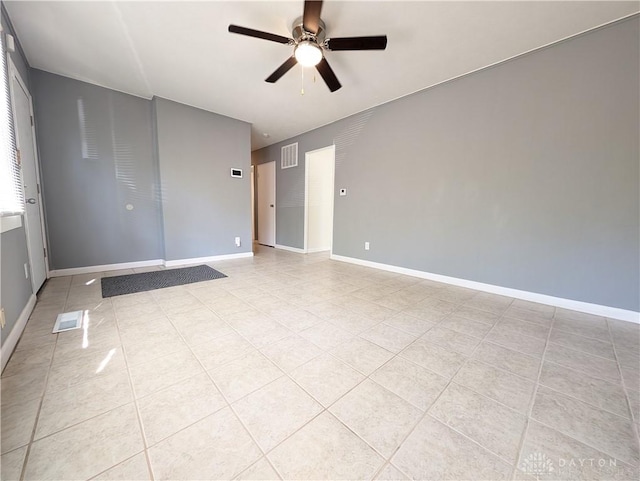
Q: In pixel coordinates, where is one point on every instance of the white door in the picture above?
(25, 142)
(267, 203)
(319, 191)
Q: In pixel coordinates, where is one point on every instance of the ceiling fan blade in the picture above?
(281, 70)
(326, 72)
(258, 34)
(378, 42)
(311, 16)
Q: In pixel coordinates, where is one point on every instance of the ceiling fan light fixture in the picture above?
(309, 41)
(308, 53)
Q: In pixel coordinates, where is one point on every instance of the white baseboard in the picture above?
(596, 309)
(201, 260)
(300, 251)
(155, 262)
(74, 271)
(290, 249)
(12, 339)
(320, 249)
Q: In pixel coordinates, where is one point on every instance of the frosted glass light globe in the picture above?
(308, 54)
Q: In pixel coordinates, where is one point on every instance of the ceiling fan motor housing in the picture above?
(299, 33)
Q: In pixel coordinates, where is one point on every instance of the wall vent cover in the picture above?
(68, 321)
(289, 156)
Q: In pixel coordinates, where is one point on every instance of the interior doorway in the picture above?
(25, 142)
(266, 205)
(318, 199)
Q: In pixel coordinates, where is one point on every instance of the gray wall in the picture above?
(96, 155)
(204, 208)
(524, 175)
(101, 150)
(15, 289)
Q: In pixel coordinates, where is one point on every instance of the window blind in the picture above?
(11, 195)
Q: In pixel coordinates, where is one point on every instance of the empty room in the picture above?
(305, 240)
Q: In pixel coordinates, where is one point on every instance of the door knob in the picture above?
(31, 201)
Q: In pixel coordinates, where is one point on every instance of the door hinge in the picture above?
(45, 251)
(38, 188)
(31, 120)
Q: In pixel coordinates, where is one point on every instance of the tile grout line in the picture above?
(116, 465)
(635, 425)
(586, 443)
(387, 461)
(354, 336)
(450, 381)
(135, 398)
(564, 394)
(324, 409)
(581, 336)
(220, 392)
(395, 355)
(444, 316)
(468, 358)
(42, 395)
(286, 373)
(570, 436)
(532, 401)
(573, 349)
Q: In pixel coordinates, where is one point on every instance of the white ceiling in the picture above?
(182, 50)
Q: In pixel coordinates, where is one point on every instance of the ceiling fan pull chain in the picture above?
(302, 80)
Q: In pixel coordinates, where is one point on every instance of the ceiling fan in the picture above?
(309, 43)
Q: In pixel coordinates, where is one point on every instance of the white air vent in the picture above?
(68, 321)
(289, 156)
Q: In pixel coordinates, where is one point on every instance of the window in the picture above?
(11, 195)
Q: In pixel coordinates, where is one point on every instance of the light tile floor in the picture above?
(298, 367)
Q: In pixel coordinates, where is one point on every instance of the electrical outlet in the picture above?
(26, 270)
(366, 246)
(2, 319)
(237, 241)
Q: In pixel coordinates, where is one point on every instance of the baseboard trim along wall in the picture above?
(200, 260)
(74, 271)
(155, 262)
(596, 309)
(320, 249)
(290, 249)
(14, 336)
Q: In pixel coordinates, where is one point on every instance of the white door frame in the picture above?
(275, 207)
(14, 73)
(306, 194)
(254, 234)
